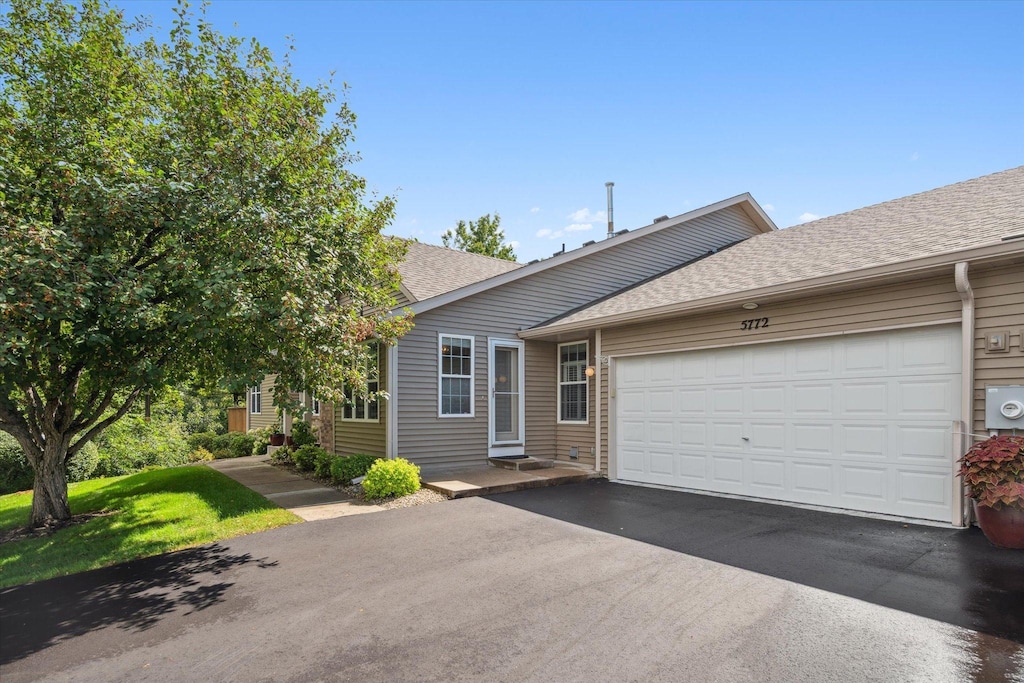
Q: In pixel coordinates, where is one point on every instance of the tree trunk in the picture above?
(50, 491)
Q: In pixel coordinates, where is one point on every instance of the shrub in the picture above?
(993, 470)
(260, 440)
(241, 444)
(346, 468)
(15, 472)
(282, 455)
(305, 457)
(204, 440)
(302, 434)
(83, 464)
(200, 455)
(322, 466)
(388, 478)
(132, 443)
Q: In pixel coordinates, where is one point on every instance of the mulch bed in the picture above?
(19, 533)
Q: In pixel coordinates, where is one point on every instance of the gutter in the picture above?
(998, 249)
(961, 511)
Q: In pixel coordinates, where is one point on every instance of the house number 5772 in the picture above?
(755, 324)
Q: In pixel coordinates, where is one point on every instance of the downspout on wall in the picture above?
(597, 404)
(961, 511)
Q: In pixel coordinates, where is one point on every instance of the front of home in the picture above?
(843, 363)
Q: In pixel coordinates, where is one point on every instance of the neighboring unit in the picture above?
(840, 363)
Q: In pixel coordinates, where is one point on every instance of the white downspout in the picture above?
(961, 512)
(597, 401)
(391, 406)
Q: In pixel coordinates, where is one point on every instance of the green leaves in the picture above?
(172, 209)
(482, 236)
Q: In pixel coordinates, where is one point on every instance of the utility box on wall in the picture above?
(1004, 407)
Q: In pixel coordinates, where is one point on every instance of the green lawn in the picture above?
(153, 512)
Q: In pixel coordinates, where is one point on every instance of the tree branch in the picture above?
(103, 424)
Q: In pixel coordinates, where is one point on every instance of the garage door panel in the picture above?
(860, 422)
(811, 399)
(727, 470)
(864, 441)
(727, 401)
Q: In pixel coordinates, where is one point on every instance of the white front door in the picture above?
(862, 422)
(507, 431)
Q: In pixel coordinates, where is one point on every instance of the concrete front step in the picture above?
(482, 481)
(521, 464)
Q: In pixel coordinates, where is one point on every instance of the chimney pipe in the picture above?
(611, 215)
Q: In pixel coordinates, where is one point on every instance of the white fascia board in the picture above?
(994, 250)
(745, 200)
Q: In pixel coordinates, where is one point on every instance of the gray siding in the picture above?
(356, 436)
(267, 417)
(503, 311)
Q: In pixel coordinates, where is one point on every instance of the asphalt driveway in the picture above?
(487, 589)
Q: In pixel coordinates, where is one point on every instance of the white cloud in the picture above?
(535, 209)
(585, 215)
(543, 232)
(808, 216)
(578, 227)
(768, 207)
(514, 244)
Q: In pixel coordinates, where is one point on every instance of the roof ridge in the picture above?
(904, 197)
(461, 251)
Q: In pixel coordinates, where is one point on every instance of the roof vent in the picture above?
(587, 244)
(533, 261)
(660, 219)
(622, 232)
(611, 214)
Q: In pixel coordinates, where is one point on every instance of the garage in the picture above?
(860, 422)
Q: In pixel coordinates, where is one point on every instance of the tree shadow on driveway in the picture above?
(946, 574)
(134, 596)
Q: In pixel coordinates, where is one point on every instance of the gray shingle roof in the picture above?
(950, 218)
(430, 270)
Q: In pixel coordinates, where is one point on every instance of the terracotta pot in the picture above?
(1003, 527)
(277, 439)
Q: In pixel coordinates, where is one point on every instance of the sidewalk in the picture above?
(307, 499)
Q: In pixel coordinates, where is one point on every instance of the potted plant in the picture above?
(276, 435)
(993, 470)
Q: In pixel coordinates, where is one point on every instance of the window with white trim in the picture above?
(256, 400)
(359, 408)
(455, 381)
(572, 382)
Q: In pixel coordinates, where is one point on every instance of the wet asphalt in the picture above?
(591, 582)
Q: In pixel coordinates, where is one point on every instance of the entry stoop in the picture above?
(482, 480)
(520, 464)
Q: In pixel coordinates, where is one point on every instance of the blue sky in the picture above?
(527, 108)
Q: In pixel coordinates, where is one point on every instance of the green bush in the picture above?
(346, 468)
(322, 466)
(200, 455)
(132, 443)
(302, 434)
(282, 455)
(204, 440)
(388, 478)
(305, 457)
(242, 443)
(83, 464)
(15, 472)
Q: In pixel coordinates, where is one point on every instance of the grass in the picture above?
(153, 512)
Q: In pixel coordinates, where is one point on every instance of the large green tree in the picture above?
(482, 236)
(170, 209)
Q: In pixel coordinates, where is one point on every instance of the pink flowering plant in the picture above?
(993, 470)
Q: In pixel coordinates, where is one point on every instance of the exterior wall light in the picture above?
(750, 305)
(589, 372)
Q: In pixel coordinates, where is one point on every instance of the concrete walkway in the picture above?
(307, 499)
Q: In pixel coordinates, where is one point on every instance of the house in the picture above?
(842, 363)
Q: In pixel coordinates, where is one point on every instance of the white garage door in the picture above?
(861, 422)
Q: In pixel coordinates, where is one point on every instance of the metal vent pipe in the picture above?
(611, 213)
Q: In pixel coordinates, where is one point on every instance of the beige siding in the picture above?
(268, 414)
(354, 436)
(999, 307)
(504, 311)
(579, 435)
